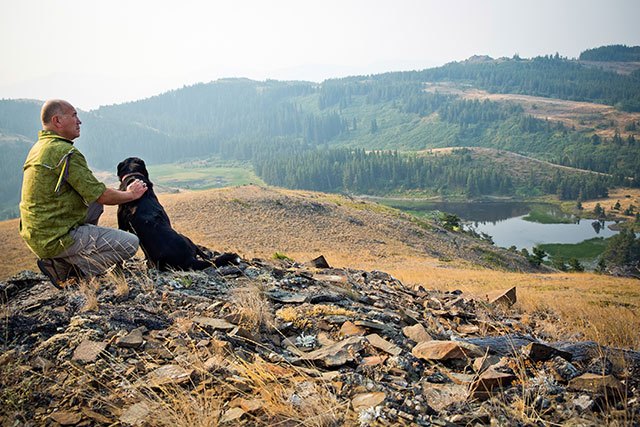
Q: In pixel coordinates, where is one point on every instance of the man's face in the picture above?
(68, 125)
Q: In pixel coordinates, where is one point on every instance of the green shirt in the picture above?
(57, 188)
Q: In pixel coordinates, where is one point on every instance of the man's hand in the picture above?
(134, 191)
(138, 188)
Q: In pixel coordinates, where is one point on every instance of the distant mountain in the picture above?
(503, 104)
(616, 52)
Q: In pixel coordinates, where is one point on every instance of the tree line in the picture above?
(382, 172)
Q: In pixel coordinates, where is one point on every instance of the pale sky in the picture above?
(93, 53)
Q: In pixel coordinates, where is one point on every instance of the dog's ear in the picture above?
(142, 167)
(120, 171)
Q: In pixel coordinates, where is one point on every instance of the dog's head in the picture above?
(132, 165)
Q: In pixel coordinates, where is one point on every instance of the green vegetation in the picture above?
(386, 172)
(586, 251)
(203, 175)
(623, 250)
(279, 128)
(616, 52)
(277, 255)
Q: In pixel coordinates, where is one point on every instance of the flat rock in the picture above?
(416, 333)
(440, 396)
(507, 297)
(445, 350)
(348, 329)
(326, 297)
(331, 278)
(42, 364)
(378, 326)
(286, 298)
(337, 354)
(232, 415)
(132, 340)
(367, 400)
(381, 344)
(219, 324)
(606, 384)
(252, 405)
(166, 374)
(135, 414)
(483, 363)
(319, 262)
(490, 383)
(67, 418)
(467, 329)
(88, 351)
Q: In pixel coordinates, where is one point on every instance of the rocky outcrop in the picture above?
(274, 342)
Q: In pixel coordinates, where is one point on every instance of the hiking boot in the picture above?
(57, 270)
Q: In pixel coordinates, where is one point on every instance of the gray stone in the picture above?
(319, 262)
(132, 340)
(328, 297)
(378, 326)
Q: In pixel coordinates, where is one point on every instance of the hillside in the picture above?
(286, 342)
(258, 221)
(549, 108)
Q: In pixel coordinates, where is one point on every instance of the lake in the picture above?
(505, 221)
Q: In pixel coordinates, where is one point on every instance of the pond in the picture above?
(520, 224)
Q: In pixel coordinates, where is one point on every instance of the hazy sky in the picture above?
(103, 52)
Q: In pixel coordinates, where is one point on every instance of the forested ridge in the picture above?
(297, 133)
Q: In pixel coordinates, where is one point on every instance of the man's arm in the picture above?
(134, 191)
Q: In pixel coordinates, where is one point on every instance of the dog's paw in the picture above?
(227, 259)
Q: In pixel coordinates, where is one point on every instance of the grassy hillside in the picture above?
(257, 221)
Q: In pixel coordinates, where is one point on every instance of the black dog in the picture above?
(164, 247)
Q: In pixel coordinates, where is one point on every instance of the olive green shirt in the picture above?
(57, 188)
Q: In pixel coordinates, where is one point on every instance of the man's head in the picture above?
(60, 116)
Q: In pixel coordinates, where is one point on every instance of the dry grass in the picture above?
(582, 115)
(87, 289)
(589, 306)
(253, 308)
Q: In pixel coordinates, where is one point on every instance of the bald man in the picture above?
(62, 201)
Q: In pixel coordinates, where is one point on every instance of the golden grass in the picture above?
(252, 306)
(589, 306)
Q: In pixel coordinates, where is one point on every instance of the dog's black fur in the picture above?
(164, 247)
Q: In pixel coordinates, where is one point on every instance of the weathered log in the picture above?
(502, 345)
(510, 345)
(587, 350)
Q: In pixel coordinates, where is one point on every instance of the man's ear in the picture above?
(55, 121)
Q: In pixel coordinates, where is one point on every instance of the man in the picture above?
(62, 201)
